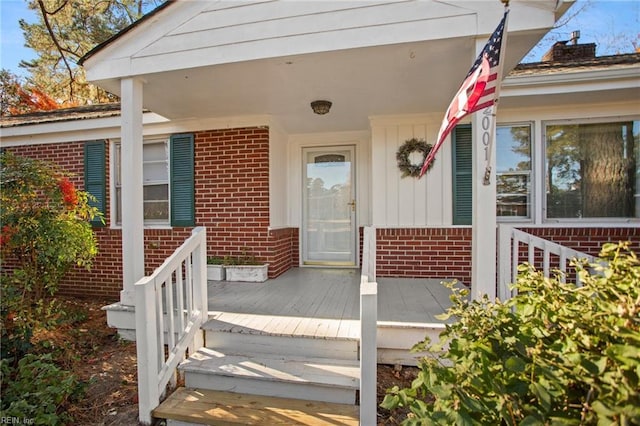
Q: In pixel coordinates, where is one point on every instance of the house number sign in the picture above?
(487, 140)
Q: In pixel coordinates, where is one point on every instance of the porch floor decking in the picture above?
(304, 293)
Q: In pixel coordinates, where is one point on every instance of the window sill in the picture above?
(511, 219)
(154, 226)
(588, 223)
(572, 223)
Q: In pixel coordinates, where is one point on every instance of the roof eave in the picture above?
(565, 77)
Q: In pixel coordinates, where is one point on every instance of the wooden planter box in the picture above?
(215, 272)
(249, 273)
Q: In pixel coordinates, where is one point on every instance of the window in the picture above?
(588, 170)
(168, 181)
(513, 175)
(592, 170)
(513, 158)
(155, 176)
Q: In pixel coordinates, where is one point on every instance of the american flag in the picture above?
(478, 90)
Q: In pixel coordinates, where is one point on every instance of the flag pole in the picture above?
(487, 170)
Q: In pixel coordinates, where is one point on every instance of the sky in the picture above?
(12, 48)
(614, 25)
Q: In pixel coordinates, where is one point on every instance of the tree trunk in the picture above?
(607, 171)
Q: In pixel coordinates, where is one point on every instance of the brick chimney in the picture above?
(561, 51)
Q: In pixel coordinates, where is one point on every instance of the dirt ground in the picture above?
(95, 354)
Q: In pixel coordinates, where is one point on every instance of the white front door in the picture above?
(329, 207)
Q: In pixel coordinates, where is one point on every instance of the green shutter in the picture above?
(182, 180)
(462, 163)
(95, 176)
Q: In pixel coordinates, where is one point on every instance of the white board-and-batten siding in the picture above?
(408, 201)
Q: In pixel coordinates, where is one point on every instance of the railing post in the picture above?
(515, 256)
(369, 253)
(505, 233)
(563, 264)
(531, 249)
(147, 348)
(368, 351)
(200, 281)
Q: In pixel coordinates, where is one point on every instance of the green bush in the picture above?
(38, 391)
(45, 225)
(554, 354)
(44, 231)
(15, 332)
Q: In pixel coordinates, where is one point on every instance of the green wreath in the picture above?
(409, 146)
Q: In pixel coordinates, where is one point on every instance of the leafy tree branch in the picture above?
(45, 17)
(64, 32)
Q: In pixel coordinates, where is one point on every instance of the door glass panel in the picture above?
(329, 231)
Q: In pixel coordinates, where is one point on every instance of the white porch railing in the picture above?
(369, 253)
(171, 305)
(538, 249)
(368, 329)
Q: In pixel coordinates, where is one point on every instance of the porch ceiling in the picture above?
(417, 77)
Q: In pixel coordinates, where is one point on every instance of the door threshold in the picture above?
(327, 265)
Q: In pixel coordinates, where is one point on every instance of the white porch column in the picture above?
(483, 256)
(132, 200)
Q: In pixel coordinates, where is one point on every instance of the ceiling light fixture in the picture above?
(321, 107)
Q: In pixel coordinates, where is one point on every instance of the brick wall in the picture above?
(69, 156)
(232, 189)
(283, 251)
(588, 239)
(424, 252)
(446, 252)
(232, 197)
(105, 277)
(232, 201)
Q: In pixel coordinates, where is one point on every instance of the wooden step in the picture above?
(395, 340)
(201, 406)
(294, 336)
(316, 379)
